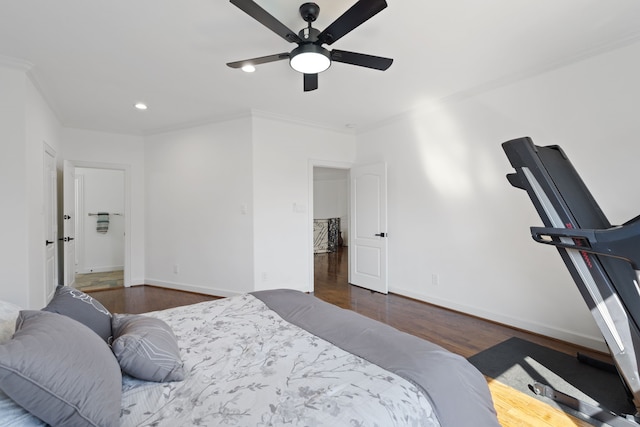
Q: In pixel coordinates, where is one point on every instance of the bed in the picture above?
(265, 358)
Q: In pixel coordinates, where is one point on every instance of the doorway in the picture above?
(99, 225)
(366, 221)
(96, 226)
(330, 224)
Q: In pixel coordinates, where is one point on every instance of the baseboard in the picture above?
(596, 343)
(217, 292)
(135, 282)
(106, 269)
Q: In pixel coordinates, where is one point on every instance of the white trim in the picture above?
(193, 288)
(309, 246)
(79, 221)
(103, 269)
(15, 63)
(199, 123)
(593, 342)
(127, 207)
(48, 150)
(301, 122)
(457, 97)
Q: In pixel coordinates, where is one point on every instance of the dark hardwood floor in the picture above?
(457, 332)
(142, 299)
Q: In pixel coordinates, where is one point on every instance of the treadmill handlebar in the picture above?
(619, 242)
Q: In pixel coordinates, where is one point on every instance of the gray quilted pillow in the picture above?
(61, 371)
(82, 307)
(146, 348)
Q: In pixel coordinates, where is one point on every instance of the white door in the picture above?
(69, 213)
(368, 241)
(50, 222)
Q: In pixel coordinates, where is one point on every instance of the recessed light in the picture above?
(248, 68)
(141, 106)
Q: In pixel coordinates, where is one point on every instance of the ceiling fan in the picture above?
(310, 57)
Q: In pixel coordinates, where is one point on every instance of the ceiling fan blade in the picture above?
(360, 59)
(266, 19)
(257, 61)
(310, 82)
(359, 13)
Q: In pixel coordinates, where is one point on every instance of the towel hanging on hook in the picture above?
(102, 224)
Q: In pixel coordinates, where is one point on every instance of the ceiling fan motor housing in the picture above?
(309, 12)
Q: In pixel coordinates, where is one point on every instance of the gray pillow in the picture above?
(146, 348)
(83, 308)
(61, 372)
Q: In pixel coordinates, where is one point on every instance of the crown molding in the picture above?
(28, 69)
(15, 63)
(198, 123)
(301, 122)
(455, 98)
(247, 114)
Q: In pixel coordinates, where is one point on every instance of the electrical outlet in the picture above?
(435, 279)
(265, 276)
(176, 268)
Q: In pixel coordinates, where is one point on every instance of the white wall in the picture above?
(220, 204)
(13, 185)
(199, 208)
(42, 127)
(103, 191)
(451, 211)
(26, 123)
(331, 198)
(122, 152)
(283, 240)
(453, 214)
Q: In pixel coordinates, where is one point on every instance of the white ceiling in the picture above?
(92, 60)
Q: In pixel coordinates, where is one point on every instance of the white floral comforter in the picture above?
(246, 366)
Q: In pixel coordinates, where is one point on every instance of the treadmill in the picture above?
(601, 258)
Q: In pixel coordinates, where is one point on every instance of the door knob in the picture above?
(48, 242)
(381, 234)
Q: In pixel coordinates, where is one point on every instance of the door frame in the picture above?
(322, 164)
(50, 197)
(127, 207)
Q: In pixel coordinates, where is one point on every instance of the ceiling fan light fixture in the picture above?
(310, 59)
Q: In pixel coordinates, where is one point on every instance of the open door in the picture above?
(368, 230)
(69, 212)
(50, 222)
